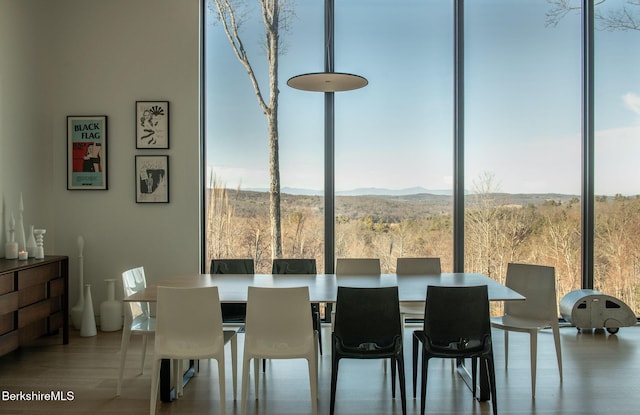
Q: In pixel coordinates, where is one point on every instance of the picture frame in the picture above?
(87, 155)
(152, 124)
(152, 178)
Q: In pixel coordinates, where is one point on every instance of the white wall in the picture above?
(97, 57)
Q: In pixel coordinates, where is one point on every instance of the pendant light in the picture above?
(329, 80)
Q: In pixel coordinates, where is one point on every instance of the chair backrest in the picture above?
(278, 319)
(134, 280)
(537, 283)
(357, 266)
(294, 266)
(231, 266)
(455, 313)
(367, 316)
(418, 266)
(188, 319)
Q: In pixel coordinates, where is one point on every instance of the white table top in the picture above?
(324, 287)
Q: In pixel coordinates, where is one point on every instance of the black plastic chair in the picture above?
(232, 312)
(301, 266)
(456, 326)
(367, 326)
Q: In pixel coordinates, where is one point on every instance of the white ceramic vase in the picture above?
(88, 328)
(31, 244)
(111, 309)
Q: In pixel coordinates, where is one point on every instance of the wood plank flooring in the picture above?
(601, 375)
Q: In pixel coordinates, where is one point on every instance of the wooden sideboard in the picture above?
(34, 300)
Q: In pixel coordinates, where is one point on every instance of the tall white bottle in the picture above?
(20, 237)
(76, 310)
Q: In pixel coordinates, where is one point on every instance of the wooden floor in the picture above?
(601, 375)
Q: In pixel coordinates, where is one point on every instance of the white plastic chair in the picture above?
(415, 266)
(537, 284)
(189, 326)
(279, 326)
(137, 319)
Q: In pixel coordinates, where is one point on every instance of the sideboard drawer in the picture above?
(38, 275)
(35, 312)
(6, 283)
(7, 323)
(9, 342)
(8, 302)
(32, 294)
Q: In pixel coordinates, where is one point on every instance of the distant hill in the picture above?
(394, 206)
(364, 191)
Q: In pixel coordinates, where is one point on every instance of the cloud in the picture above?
(632, 101)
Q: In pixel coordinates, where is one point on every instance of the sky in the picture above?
(522, 100)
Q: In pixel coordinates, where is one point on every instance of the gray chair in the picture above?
(539, 310)
(232, 312)
(415, 266)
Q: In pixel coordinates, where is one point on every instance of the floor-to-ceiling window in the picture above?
(617, 147)
(238, 176)
(394, 141)
(393, 138)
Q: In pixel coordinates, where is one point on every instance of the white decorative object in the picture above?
(11, 247)
(31, 244)
(88, 328)
(76, 310)
(23, 255)
(39, 233)
(111, 309)
(20, 238)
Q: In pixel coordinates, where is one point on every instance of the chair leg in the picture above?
(155, 384)
(506, 349)
(533, 340)
(403, 387)
(313, 383)
(145, 337)
(415, 364)
(334, 381)
(393, 377)
(423, 386)
(126, 336)
(264, 365)
(492, 383)
(256, 374)
(234, 365)
(245, 375)
(474, 375)
(556, 339)
(221, 381)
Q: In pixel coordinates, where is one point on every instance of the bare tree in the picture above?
(274, 14)
(626, 17)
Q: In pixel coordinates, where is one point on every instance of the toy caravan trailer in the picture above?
(592, 309)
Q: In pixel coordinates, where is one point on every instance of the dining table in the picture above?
(323, 288)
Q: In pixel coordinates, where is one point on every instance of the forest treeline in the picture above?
(499, 228)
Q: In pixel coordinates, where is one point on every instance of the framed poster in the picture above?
(152, 124)
(152, 179)
(87, 152)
